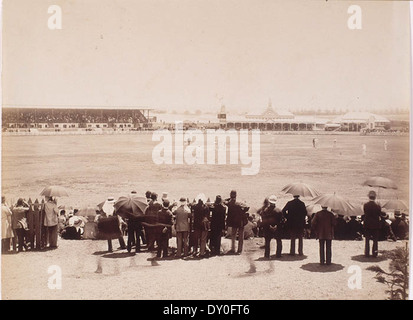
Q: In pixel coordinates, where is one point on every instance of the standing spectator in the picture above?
(163, 230)
(19, 223)
(371, 217)
(218, 214)
(201, 225)
(51, 221)
(295, 212)
(6, 226)
(182, 227)
(272, 219)
(265, 204)
(323, 225)
(236, 219)
(153, 208)
(110, 228)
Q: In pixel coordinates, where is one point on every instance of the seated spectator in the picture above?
(250, 229)
(400, 227)
(354, 229)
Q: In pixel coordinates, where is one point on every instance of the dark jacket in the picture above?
(236, 217)
(153, 208)
(18, 218)
(400, 229)
(323, 225)
(340, 229)
(200, 216)
(295, 212)
(164, 216)
(272, 217)
(218, 212)
(353, 229)
(371, 215)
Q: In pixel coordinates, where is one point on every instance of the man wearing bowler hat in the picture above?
(218, 213)
(235, 220)
(371, 217)
(295, 212)
(323, 225)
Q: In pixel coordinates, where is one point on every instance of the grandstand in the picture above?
(59, 118)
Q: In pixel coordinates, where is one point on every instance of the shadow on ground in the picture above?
(363, 258)
(115, 255)
(316, 267)
(284, 257)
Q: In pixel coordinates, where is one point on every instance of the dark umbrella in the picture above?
(131, 205)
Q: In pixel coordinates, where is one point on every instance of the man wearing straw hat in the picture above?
(272, 218)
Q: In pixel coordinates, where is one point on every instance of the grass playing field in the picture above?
(93, 167)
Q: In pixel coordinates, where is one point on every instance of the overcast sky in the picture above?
(198, 54)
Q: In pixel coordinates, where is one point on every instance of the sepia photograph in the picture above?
(216, 152)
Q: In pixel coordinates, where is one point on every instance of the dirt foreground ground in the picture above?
(89, 272)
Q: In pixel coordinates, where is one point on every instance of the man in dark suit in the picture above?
(153, 208)
(371, 217)
(236, 220)
(323, 225)
(163, 229)
(340, 228)
(295, 212)
(218, 214)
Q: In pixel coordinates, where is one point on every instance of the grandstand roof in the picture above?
(78, 107)
(356, 117)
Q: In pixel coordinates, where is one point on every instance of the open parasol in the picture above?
(335, 202)
(395, 204)
(300, 189)
(54, 191)
(87, 211)
(380, 182)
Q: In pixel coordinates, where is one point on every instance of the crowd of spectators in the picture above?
(34, 115)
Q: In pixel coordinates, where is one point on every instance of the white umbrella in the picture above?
(300, 189)
(335, 202)
(54, 191)
(380, 182)
(395, 204)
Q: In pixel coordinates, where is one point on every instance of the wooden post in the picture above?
(30, 224)
(37, 225)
